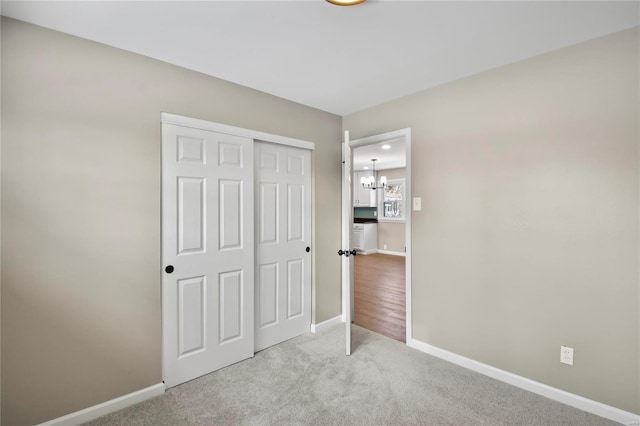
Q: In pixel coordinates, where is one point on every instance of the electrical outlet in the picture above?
(566, 355)
(375, 213)
(384, 247)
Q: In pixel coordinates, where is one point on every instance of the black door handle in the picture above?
(354, 252)
(169, 269)
(308, 249)
(340, 252)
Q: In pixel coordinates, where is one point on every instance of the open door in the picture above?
(346, 253)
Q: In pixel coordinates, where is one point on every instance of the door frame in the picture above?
(405, 135)
(256, 136)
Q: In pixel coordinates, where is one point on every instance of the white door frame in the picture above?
(179, 120)
(405, 135)
(346, 210)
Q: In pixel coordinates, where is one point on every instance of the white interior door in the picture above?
(347, 225)
(207, 251)
(283, 243)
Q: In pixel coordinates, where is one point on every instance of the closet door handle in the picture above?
(169, 269)
(308, 249)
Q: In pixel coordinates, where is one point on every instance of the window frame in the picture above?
(403, 217)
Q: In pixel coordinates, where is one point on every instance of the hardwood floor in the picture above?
(379, 294)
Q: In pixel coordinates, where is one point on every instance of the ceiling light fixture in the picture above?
(346, 2)
(370, 182)
(386, 146)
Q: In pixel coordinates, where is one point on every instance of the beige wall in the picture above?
(390, 233)
(81, 212)
(529, 239)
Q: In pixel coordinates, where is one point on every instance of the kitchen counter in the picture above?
(364, 220)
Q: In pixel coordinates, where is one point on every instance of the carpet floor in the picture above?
(309, 381)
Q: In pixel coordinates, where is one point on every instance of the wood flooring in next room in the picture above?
(379, 294)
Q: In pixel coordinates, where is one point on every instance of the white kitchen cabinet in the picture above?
(363, 197)
(358, 236)
(365, 237)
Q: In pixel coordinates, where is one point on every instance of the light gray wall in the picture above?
(81, 212)
(528, 236)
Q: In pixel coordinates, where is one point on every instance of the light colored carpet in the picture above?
(309, 381)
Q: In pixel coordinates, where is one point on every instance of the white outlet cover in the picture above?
(566, 355)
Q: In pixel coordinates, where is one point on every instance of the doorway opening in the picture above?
(381, 233)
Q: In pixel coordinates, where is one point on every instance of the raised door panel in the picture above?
(295, 163)
(230, 305)
(191, 215)
(191, 150)
(295, 212)
(192, 322)
(267, 295)
(230, 214)
(295, 288)
(268, 213)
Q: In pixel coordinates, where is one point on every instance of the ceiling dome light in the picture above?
(346, 2)
(386, 146)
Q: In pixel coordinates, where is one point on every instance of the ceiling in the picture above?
(337, 59)
(391, 158)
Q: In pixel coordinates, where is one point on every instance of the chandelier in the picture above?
(370, 181)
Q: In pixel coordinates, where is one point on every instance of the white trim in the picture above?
(392, 253)
(573, 400)
(404, 134)
(326, 324)
(107, 407)
(195, 123)
(407, 233)
(382, 137)
(381, 216)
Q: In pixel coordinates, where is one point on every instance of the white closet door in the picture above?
(283, 241)
(207, 251)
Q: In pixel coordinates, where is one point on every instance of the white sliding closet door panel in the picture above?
(207, 251)
(283, 241)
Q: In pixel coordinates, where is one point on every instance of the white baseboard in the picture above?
(392, 253)
(326, 324)
(107, 407)
(366, 252)
(559, 395)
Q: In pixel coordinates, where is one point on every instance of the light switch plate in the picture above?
(417, 204)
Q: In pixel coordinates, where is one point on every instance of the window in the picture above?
(393, 201)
